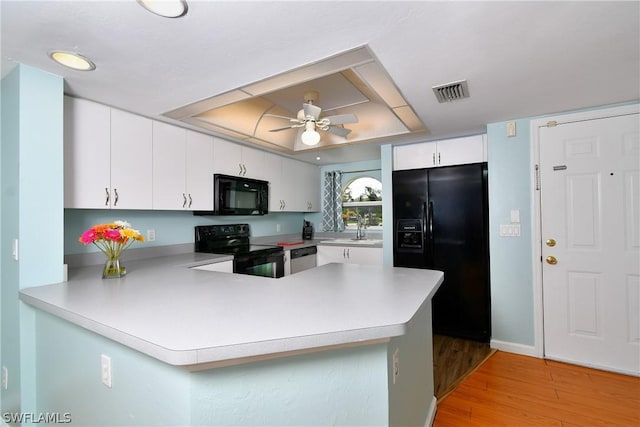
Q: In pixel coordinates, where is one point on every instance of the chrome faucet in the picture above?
(360, 229)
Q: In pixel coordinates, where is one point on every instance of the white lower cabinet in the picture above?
(222, 267)
(349, 255)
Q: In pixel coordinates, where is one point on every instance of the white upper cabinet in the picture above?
(300, 187)
(235, 159)
(169, 166)
(253, 163)
(199, 185)
(457, 151)
(182, 168)
(117, 160)
(227, 157)
(108, 161)
(87, 154)
(131, 161)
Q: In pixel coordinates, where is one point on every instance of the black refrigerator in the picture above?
(440, 222)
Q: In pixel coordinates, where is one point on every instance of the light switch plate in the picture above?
(515, 215)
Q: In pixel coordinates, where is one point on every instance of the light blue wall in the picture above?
(510, 187)
(171, 227)
(144, 391)
(346, 387)
(32, 212)
(413, 391)
(9, 225)
(341, 387)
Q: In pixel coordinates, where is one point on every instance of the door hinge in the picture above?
(552, 124)
(537, 177)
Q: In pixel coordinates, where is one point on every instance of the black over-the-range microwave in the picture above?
(235, 195)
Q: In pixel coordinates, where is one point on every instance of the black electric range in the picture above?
(234, 239)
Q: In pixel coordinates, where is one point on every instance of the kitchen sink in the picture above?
(343, 241)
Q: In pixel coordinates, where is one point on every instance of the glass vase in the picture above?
(113, 269)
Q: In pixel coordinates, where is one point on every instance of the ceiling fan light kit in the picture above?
(166, 8)
(309, 118)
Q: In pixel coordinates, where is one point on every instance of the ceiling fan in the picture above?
(309, 119)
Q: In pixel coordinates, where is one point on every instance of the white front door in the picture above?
(590, 229)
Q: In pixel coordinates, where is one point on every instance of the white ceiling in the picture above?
(520, 59)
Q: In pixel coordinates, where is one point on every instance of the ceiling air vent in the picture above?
(451, 91)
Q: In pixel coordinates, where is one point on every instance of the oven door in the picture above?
(265, 265)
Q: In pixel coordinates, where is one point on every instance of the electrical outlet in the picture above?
(277, 228)
(5, 378)
(151, 235)
(14, 249)
(106, 370)
(396, 365)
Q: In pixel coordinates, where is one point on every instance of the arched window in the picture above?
(362, 201)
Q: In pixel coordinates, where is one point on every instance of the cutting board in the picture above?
(289, 243)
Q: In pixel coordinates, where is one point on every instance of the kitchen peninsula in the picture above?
(335, 345)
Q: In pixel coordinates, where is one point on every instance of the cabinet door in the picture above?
(460, 151)
(227, 157)
(199, 174)
(168, 166)
(87, 154)
(310, 186)
(414, 156)
(365, 256)
(131, 161)
(222, 267)
(253, 163)
(329, 254)
(293, 175)
(273, 166)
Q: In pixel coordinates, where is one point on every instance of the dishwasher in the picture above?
(303, 259)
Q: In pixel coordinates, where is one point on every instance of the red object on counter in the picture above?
(289, 243)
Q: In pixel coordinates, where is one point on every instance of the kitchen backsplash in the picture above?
(171, 227)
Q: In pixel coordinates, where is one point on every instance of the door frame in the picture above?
(535, 125)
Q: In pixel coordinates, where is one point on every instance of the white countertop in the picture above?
(184, 316)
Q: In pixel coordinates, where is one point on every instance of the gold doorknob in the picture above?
(552, 260)
(551, 242)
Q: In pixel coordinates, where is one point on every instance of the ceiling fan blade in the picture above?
(341, 119)
(291, 119)
(280, 129)
(311, 110)
(338, 130)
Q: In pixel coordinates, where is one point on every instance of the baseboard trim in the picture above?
(510, 347)
(431, 415)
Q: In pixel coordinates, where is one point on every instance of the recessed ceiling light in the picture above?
(166, 8)
(72, 60)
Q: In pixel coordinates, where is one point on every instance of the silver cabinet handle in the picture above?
(115, 202)
(434, 159)
(348, 253)
(106, 200)
(190, 200)
(240, 173)
(184, 200)
(439, 162)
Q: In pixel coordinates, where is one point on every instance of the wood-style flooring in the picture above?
(453, 360)
(514, 390)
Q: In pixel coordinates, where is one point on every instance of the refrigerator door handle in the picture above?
(425, 221)
(430, 220)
